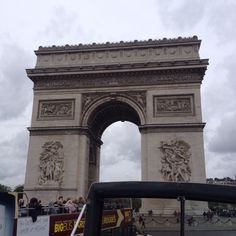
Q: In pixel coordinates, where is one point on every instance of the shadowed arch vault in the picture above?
(110, 109)
(99, 116)
(109, 113)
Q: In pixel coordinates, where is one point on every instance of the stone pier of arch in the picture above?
(80, 90)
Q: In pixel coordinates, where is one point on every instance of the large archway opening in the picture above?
(110, 112)
(115, 123)
(120, 158)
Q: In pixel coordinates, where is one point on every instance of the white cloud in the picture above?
(121, 144)
(13, 159)
(124, 170)
(224, 139)
(15, 92)
(120, 153)
(25, 25)
(182, 15)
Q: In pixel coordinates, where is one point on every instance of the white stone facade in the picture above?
(80, 90)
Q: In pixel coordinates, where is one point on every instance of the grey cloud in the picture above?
(120, 155)
(231, 70)
(181, 15)
(217, 95)
(219, 106)
(212, 20)
(15, 92)
(221, 165)
(61, 24)
(121, 142)
(222, 18)
(123, 170)
(224, 140)
(13, 159)
(16, 147)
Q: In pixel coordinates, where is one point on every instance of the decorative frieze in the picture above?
(75, 81)
(172, 105)
(56, 109)
(175, 162)
(116, 53)
(51, 166)
(157, 53)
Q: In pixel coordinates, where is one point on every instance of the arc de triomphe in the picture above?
(80, 90)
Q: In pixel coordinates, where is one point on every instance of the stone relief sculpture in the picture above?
(56, 109)
(175, 161)
(124, 80)
(121, 52)
(51, 163)
(182, 104)
(139, 97)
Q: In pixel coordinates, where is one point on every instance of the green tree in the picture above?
(19, 189)
(136, 203)
(4, 188)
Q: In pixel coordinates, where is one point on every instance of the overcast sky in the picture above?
(27, 24)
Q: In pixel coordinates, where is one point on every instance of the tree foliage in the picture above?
(19, 189)
(4, 188)
(136, 204)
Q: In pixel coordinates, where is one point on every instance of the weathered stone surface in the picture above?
(51, 166)
(173, 105)
(56, 109)
(115, 53)
(80, 90)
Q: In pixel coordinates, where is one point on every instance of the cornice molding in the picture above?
(58, 130)
(121, 79)
(172, 127)
(110, 45)
(114, 68)
(63, 130)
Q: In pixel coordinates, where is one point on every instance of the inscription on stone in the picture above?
(125, 80)
(173, 104)
(56, 109)
(175, 161)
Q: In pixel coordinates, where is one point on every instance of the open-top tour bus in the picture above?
(170, 190)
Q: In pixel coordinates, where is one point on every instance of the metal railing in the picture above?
(46, 210)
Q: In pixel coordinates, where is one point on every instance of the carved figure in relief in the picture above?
(139, 99)
(88, 99)
(175, 161)
(173, 105)
(48, 109)
(51, 163)
(64, 109)
(51, 109)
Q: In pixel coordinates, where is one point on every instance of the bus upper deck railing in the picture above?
(170, 190)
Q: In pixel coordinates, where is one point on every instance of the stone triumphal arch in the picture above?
(80, 90)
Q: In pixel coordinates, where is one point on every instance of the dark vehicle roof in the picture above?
(142, 189)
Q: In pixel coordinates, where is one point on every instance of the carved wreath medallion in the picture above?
(175, 161)
(51, 163)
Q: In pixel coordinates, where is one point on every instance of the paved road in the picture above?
(196, 233)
